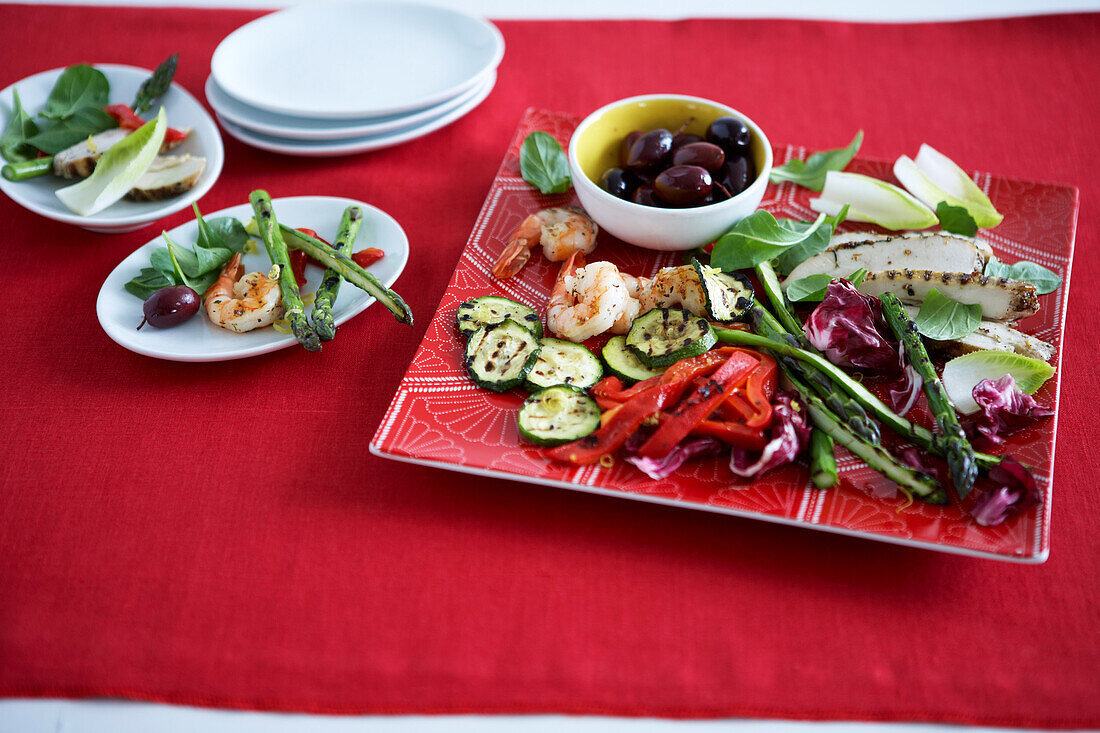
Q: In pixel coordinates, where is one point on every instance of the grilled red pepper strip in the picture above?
(127, 120)
(367, 257)
(612, 387)
(298, 265)
(661, 392)
(699, 405)
(734, 433)
(311, 233)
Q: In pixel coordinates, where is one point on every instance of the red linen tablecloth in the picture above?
(218, 534)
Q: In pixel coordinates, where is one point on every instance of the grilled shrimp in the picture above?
(561, 230)
(587, 300)
(673, 287)
(242, 303)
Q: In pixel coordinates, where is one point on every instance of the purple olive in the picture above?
(704, 155)
(170, 306)
(619, 182)
(736, 175)
(649, 150)
(646, 196)
(730, 134)
(627, 143)
(683, 185)
(684, 138)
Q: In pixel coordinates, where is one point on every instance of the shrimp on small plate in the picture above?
(243, 303)
(561, 230)
(589, 300)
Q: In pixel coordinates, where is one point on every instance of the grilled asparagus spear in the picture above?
(326, 294)
(958, 451)
(822, 461)
(909, 479)
(276, 249)
(348, 270)
(919, 435)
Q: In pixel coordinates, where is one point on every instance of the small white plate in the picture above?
(326, 148)
(38, 194)
(303, 128)
(199, 340)
(340, 60)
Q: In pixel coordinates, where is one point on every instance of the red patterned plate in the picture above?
(440, 418)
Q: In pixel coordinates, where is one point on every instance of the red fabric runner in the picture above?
(218, 534)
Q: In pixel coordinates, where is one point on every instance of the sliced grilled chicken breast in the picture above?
(989, 336)
(1001, 299)
(79, 160)
(167, 176)
(937, 251)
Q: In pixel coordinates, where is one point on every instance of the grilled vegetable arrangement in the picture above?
(78, 135)
(685, 376)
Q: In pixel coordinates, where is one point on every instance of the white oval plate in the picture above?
(365, 58)
(38, 194)
(198, 339)
(326, 148)
(303, 128)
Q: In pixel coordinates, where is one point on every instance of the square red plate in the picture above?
(440, 418)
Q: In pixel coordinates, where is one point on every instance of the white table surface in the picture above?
(119, 716)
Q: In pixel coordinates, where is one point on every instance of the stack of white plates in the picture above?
(346, 77)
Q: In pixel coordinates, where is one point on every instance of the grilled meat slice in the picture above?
(78, 161)
(938, 251)
(1001, 299)
(167, 176)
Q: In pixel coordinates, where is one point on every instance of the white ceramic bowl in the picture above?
(38, 194)
(594, 148)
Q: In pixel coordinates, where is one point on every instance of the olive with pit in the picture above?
(730, 134)
(704, 155)
(170, 306)
(683, 185)
(649, 150)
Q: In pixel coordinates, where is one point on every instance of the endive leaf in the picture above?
(118, 170)
(933, 177)
(872, 200)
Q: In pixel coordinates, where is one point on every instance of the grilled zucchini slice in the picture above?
(556, 415)
(727, 296)
(490, 309)
(624, 364)
(563, 362)
(499, 355)
(663, 336)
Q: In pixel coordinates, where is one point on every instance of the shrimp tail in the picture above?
(518, 249)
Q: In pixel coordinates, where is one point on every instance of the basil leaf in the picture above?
(223, 232)
(148, 282)
(1043, 279)
(811, 172)
(811, 246)
(813, 288)
(13, 143)
(543, 164)
(156, 85)
(943, 319)
(78, 86)
(956, 219)
(193, 262)
(759, 237)
(809, 288)
(84, 122)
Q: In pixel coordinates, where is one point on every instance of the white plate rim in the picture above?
(234, 110)
(359, 144)
(212, 149)
(132, 263)
(241, 93)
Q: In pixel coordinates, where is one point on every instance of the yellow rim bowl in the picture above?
(597, 145)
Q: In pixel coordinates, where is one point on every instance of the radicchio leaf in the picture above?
(790, 433)
(849, 329)
(1005, 408)
(662, 467)
(1015, 492)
